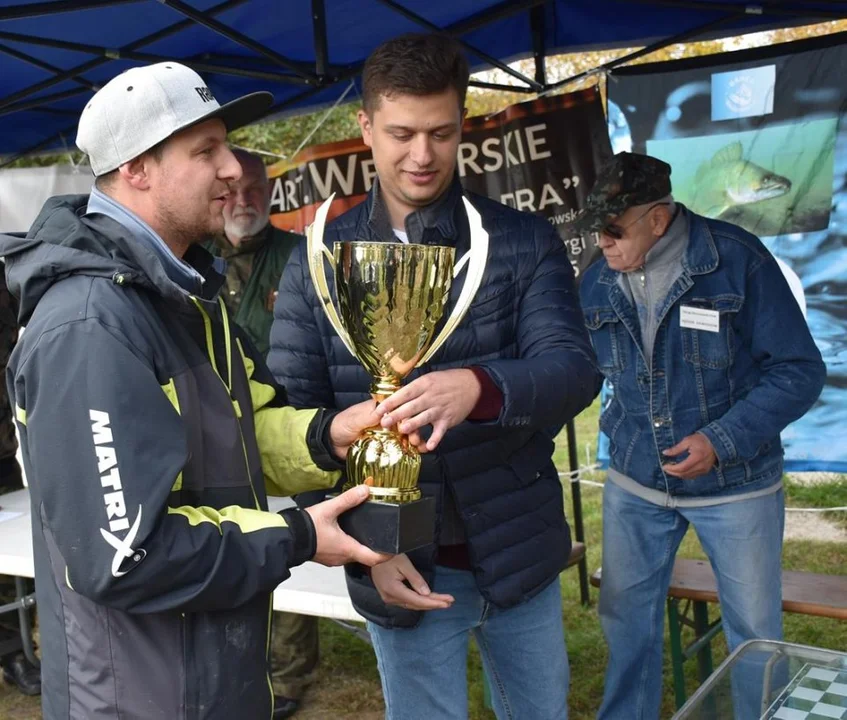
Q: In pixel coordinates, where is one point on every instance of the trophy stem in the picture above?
(386, 462)
(384, 387)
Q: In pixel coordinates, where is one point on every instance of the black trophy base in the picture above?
(390, 527)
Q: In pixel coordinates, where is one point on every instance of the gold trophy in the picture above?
(391, 297)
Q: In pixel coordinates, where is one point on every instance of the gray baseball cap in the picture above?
(144, 105)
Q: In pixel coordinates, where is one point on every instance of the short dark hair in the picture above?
(414, 64)
(106, 180)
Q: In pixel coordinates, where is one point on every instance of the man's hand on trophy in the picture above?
(334, 546)
(443, 399)
(390, 579)
(348, 424)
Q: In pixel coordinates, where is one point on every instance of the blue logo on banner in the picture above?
(743, 93)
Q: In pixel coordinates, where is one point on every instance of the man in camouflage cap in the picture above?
(631, 198)
(710, 358)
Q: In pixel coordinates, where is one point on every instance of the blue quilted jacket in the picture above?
(526, 330)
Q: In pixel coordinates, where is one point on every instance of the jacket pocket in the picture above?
(707, 349)
(533, 461)
(609, 338)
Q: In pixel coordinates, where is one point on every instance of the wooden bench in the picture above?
(693, 583)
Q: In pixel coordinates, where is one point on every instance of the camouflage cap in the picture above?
(628, 179)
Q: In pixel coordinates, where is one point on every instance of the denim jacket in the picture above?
(739, 386)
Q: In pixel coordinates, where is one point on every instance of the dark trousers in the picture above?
(294, 653)
(295, 647)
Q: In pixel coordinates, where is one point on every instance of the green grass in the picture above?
(347, 685)
(819, 495)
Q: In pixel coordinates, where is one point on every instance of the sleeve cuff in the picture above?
(318, 441)
(304, 539)
(721, 442)
(490, 403)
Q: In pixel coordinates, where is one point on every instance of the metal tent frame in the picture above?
(257, 61)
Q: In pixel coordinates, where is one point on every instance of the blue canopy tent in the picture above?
(55, 54)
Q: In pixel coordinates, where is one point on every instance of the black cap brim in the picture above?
(240, 112)
(245, 110)
(596, 215)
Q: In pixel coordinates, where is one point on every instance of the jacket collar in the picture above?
(701, 255)
(177, 269)
(444, 215)
(197, 273)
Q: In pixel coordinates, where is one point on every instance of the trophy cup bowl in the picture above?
(391, 297)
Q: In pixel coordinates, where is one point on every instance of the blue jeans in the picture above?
(424, 669)
(743, 541)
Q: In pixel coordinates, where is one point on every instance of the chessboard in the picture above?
(815, 693)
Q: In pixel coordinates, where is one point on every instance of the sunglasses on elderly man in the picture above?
(616, 232)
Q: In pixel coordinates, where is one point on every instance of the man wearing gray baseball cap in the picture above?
(151, 430)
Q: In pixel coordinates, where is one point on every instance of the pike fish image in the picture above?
(728, 181)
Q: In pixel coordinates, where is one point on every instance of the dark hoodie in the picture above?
(150, 430)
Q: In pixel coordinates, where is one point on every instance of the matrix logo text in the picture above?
(113, 498)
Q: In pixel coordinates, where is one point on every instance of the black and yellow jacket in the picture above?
(151, 434)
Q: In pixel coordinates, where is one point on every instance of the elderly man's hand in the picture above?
(701, 457)
(443, 399)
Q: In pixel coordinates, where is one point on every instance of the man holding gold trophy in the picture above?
(151, 431)
(474, 306)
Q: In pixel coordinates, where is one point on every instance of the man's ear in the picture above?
(366, 127)
(136, 172)
(660, 220)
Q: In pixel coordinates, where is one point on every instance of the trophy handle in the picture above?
(316, 250)
(476, 259)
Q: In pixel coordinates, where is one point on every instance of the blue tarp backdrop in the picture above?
(54, 54)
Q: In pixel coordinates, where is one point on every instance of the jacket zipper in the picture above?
(210, 349)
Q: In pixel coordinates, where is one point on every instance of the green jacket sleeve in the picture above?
(281, 432)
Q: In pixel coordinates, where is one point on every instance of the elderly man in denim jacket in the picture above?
(710, 358)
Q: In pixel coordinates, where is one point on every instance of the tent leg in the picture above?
(579, 529)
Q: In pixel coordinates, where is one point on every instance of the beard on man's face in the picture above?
(185, 230)
(244, 223)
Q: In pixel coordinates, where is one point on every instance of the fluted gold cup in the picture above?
(391, 297)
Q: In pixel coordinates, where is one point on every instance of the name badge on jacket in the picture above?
(695, 318)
